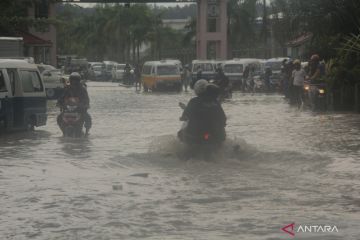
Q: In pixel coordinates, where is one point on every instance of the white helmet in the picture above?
(200, 86)
(75, 76)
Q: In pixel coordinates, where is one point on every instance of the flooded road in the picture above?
(127, 181)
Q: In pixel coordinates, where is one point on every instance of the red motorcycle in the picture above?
(72, 118)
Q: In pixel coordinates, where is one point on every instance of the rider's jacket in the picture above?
(204, 115)
(222, 80)
(78, 92)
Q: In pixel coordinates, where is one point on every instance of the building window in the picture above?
(42, 9)
(211, 49)
(213, 25)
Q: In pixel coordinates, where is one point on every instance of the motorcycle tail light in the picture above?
(206, 136)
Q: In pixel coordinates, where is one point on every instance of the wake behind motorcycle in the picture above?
(71, 119)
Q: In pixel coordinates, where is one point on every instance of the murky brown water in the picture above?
(126, 180)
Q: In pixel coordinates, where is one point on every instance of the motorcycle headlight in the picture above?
(321, 91)
(306, 87)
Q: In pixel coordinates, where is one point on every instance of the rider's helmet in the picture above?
(212, 90)
(315, 58)
(200, 86)
(297, 61)
(75, 77)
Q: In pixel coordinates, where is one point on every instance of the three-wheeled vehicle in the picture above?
(22, 96)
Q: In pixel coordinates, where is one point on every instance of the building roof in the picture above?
(16, 63)
(300, 40)
(30, 39)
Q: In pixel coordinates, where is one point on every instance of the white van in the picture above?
(275, 65)
(207, 69)
(234, 69)
(22, 96)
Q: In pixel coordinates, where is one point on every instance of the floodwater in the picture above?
(128, 180)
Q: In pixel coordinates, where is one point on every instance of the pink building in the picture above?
(43, 50)
(211, 36)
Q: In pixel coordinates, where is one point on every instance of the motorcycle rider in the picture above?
(76, 89)
(268, 73)
(245, 78)
(186, 77)
(223, 82)
(298, 76)
(204, 115)
(127, 74)
(316, 69)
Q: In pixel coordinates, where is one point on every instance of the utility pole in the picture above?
(265, 30)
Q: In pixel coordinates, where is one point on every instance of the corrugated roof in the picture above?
(30, 39)
(300, 40)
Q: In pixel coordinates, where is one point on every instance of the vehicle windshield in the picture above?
(275, 66)
(109, 67)
(97, 68)
(167, 70)
(42, 68)
(120, 67)
(205, 67)
(56, 71)
(233, 68)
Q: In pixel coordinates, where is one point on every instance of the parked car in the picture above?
(79, 65)
(22, 96)
(276, 66)
(54, 82)
(96, 71)
(108, 67)
(118, 72)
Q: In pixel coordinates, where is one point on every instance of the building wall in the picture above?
(49, 35)
(211, 44)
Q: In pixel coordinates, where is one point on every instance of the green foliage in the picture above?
(14, 17)
(328, 20)
(241, 27)
(344, 69)
(114, 32)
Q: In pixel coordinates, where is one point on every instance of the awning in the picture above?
(32, 40)
(300, 40)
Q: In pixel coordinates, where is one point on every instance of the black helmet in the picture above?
(75, 77)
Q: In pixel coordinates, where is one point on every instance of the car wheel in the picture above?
(30, 125)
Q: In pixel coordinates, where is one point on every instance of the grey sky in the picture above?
(158, 4)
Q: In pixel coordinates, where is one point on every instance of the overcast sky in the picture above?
(158, 4)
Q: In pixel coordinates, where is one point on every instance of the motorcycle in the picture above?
(202, 139)
(306, 89)
(224, 94)
(72, 119)
(258, 84)
(318, 97)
